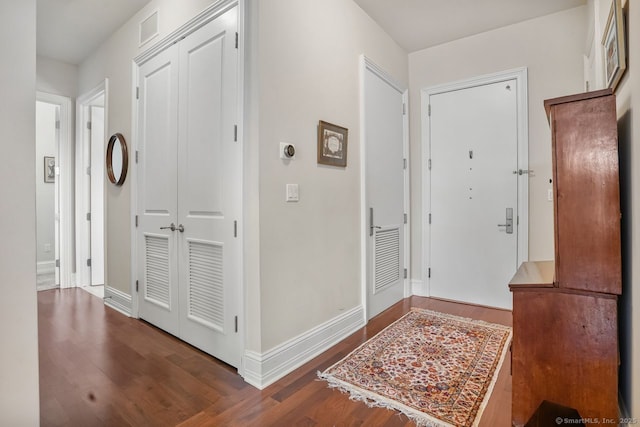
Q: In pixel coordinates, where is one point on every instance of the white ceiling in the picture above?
(418, 24)
(69, 30)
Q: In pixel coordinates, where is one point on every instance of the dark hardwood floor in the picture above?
(98, 367)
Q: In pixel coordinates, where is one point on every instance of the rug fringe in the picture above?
(376, 401)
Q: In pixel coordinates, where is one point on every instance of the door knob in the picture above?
(181, 228)
(172, 227)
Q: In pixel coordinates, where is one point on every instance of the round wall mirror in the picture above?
(117, 159)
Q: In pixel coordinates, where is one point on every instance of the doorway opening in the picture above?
(54, 213)
(90, 172)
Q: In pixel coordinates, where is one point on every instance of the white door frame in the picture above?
(63, 174)
(83, 182)
(367, 64)
(210, 13)
(520, 75)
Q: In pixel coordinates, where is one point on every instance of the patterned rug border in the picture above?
(374, 400)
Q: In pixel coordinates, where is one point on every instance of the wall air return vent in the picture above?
(149, 28)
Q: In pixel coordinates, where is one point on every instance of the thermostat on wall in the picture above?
(287, 151)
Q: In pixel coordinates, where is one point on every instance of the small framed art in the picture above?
(332, 144)
(614, 48)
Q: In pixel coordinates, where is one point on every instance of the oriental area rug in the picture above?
(437, 369)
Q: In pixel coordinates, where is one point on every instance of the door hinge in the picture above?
(405, 273)
(405, 218)
(88, 216)
(429, 273)
(429, 110)
(235, 133)
(89, 262)
(137, 92)
(429, 164)
(235, 228)
(404, 164)
(57, 124)
(136, 220)
(137, 156)
(137, 286)
(57, 263)
(429, 218)
(237, 37)
(89, 125)
(236, 322)
(404, 109)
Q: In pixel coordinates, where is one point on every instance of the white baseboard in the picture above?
(117, 300)
(46, 267)
(419, 288)
(261, 370)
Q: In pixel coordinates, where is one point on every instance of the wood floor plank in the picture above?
(100, 368)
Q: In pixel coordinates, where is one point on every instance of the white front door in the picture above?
(474, 193)
(189, 190)
(385, 173)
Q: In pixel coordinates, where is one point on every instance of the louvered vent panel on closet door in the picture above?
(387, 257)
(206, 291)
(157, 270)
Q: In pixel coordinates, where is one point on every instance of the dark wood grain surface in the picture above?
(565, 350)
(565, 326)
(100, 368)
(587, 195)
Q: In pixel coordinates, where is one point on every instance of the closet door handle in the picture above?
(172, 227)
(181, 228)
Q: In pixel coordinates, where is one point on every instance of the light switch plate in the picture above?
(293, 194)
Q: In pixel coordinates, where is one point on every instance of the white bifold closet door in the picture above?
(189, 190)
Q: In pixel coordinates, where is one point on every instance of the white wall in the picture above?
(45, 194)
(551, 47)
(309, 71)
(56, 77)
(19, 400)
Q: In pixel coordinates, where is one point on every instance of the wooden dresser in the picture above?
(565, 325)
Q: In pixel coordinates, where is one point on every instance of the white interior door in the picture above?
(57, 189)
(209, 189)
(158, 190)
(474, 192)
(384, 146)
(97, 194)
(190, 188)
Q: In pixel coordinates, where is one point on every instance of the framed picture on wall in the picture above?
(332, 144)
(49, 169)
(613, 45)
